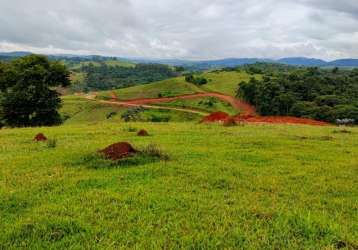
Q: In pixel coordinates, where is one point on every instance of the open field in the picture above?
(170, 87)
(253, 187)
(209, 104)
(225, 82)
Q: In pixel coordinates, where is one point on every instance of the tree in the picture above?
(196, 80)
(27, 90)
(189, 78)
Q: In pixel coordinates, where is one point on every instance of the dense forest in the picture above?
(104, 76)
(322, 94)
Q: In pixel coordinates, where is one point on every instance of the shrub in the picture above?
(51, 143)
(132, 114)
(155, 118)
(153, 150)
(132, 129)
(110, 115)
(196, 80)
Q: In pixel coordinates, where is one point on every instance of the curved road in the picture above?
(244, 108)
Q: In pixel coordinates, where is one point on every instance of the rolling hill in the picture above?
(170, 87)
(221, 82)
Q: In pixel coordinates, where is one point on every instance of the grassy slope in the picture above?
(283, 187)
(169, 87)
(79, 110)
(203, 104)
(225, 82)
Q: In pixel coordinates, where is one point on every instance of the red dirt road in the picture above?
(247, 111)
(244, 108)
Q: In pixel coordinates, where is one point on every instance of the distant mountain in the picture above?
(205, 64)
(344, 63)
(302, 61)
(15, 54)
(233, 62)
(230, 62)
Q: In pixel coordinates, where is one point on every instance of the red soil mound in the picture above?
(280, 120)
(118, 151)
(40, 137)
(230, 122)
(143, 132)
(216, 117)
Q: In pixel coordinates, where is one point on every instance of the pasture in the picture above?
(253, 187)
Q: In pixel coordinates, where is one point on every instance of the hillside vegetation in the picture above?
(78, 110)
(327, 95)
(209, 104)
(106, 77)
(225, 82)
(258, 187)
(218, 81)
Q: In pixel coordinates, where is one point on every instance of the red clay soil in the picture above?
(280, 120)
(118, 151)
(40, 137)
(143, 132)
(216, 117)
(230, 122)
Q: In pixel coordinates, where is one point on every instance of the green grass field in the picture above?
(252, 187)
(79, 110)
(225, 82)
(208, 104)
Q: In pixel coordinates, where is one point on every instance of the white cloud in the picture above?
(182, 28)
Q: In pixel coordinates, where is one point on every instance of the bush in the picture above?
(110, 115)
(196, 80)
(132, 114)
(155, 118)
(51, 143)
(153, 150)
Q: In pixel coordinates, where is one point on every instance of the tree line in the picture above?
(105, 77)
(321, 94)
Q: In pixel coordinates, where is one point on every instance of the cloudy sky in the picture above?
(191, 29)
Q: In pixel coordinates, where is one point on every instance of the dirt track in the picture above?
(244, 108)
